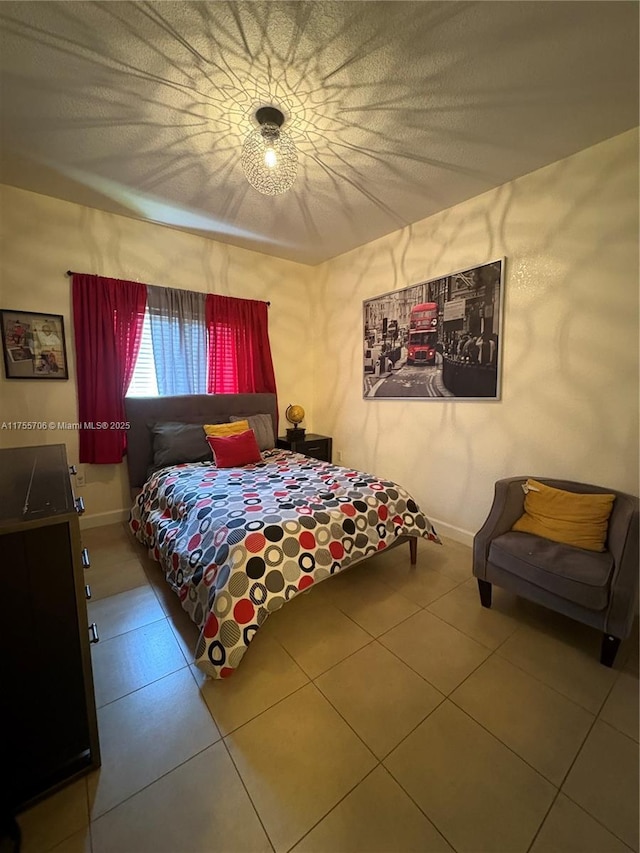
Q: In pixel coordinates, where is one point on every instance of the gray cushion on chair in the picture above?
(571, 573)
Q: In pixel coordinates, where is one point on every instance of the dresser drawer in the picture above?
(319, 449)
(317, 446)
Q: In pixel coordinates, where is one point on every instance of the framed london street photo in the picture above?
(33, 345)
(437, 339)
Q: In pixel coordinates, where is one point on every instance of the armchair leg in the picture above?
(484, 587)
(609, 649)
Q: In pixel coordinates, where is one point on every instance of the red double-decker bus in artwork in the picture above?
(423, 334)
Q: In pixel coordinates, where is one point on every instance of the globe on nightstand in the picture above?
(295, 415)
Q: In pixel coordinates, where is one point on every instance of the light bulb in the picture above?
(269, 156)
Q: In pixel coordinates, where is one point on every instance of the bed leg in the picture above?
(413, 549)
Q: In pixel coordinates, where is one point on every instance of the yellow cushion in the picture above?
(226, 429)
(567, 517)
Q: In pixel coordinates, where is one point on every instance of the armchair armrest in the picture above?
(622, 542)
(507, 507)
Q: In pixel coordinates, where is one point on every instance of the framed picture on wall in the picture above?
(437, 339)
(33, 345)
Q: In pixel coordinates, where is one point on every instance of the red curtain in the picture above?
(238, 346)
(107, 318)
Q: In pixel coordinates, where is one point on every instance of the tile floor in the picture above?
(383, 712)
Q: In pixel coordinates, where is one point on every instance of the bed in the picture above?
(235, 544)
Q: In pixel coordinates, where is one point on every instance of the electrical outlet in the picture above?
(80, 478)
(339, 456)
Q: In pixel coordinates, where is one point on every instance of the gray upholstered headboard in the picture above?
(188, 409)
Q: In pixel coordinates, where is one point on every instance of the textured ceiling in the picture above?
(398, 109)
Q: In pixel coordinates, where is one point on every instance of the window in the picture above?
(144, 382)
(172, 358)
(137, 340)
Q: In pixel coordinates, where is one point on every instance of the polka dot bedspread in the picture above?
(236, 544)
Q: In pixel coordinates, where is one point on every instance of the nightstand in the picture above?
(317, 446)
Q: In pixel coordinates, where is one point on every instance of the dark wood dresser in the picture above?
(49, 733)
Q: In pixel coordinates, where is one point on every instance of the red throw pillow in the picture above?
(233, 451)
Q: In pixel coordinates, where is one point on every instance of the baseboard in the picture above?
(451, 532)
(102, 519)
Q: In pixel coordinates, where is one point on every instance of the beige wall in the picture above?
(43, 237)
(569, 404)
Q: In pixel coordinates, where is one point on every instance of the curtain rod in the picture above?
(71, 272)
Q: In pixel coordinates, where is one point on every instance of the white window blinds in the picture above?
(143, 382)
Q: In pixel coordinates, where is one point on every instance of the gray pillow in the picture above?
(174, 443)
(262, 426)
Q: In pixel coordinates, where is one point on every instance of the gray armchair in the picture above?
(597, 588)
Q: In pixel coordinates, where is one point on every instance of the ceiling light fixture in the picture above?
(269, 156)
